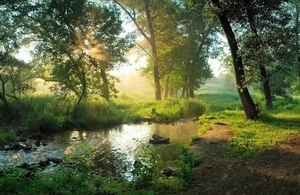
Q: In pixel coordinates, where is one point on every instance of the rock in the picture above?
(24, 146)
(38, 143)
(25, 166)
(44, 163)
(168, 171)
(157, 139)
(55, 160)
(195, 119)
(6, 147)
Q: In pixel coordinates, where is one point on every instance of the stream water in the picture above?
(110, 145)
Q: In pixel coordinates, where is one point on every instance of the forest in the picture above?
(58, 60)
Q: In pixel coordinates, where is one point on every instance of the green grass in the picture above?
(215, 105)
(250, 137)
(48, 114)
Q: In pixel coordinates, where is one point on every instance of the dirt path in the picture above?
(275, 171)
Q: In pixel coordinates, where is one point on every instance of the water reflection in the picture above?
(113, 147)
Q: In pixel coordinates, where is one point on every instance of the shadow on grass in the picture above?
(274, 171)
(286, 122)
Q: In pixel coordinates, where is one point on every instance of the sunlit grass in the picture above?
(250, 137)
(46, 113)
(254, 136)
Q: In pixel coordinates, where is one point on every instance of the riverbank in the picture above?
(272, 171)
(49, 114)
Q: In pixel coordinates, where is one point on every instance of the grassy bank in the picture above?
(45, 113)
(251, 137)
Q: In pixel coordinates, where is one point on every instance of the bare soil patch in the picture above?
(275, 171)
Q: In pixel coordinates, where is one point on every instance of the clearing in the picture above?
(274, 171)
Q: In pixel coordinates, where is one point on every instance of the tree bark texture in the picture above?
(249, 107)
(154, 51)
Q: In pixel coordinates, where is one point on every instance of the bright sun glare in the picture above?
(134, 63)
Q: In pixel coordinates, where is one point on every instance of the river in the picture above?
(112, 147)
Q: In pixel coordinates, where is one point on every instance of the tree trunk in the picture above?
(83, 94)
(191, 92)
(249, 107)
(105, 89)
(3, 95)
(154, 51)
(183, 91)
(297, 38)
(266, 86)
(166, 94)
(263, 71)
(184, 87)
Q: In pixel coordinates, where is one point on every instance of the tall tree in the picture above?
(249, 106)
(199, 31)
(260, 19)
(142, 15)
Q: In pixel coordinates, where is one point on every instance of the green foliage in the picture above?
(7, 137)
(44, 113)
(145, 167)
(186, 161)
(62, 181)
(12, 180)
(172, 109)
(167, 185)
(81, 158)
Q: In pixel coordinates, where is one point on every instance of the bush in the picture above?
(7, 137)
(186, 161)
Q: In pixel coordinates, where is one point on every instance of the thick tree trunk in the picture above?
(154, 51)
(250, 109)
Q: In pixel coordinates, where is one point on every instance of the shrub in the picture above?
(7, 137)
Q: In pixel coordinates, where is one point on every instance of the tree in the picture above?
(264, 30)
(82, 39)
(14, 74)
(250, 108)
(183, 38)
(199, 31)
(142, 17)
